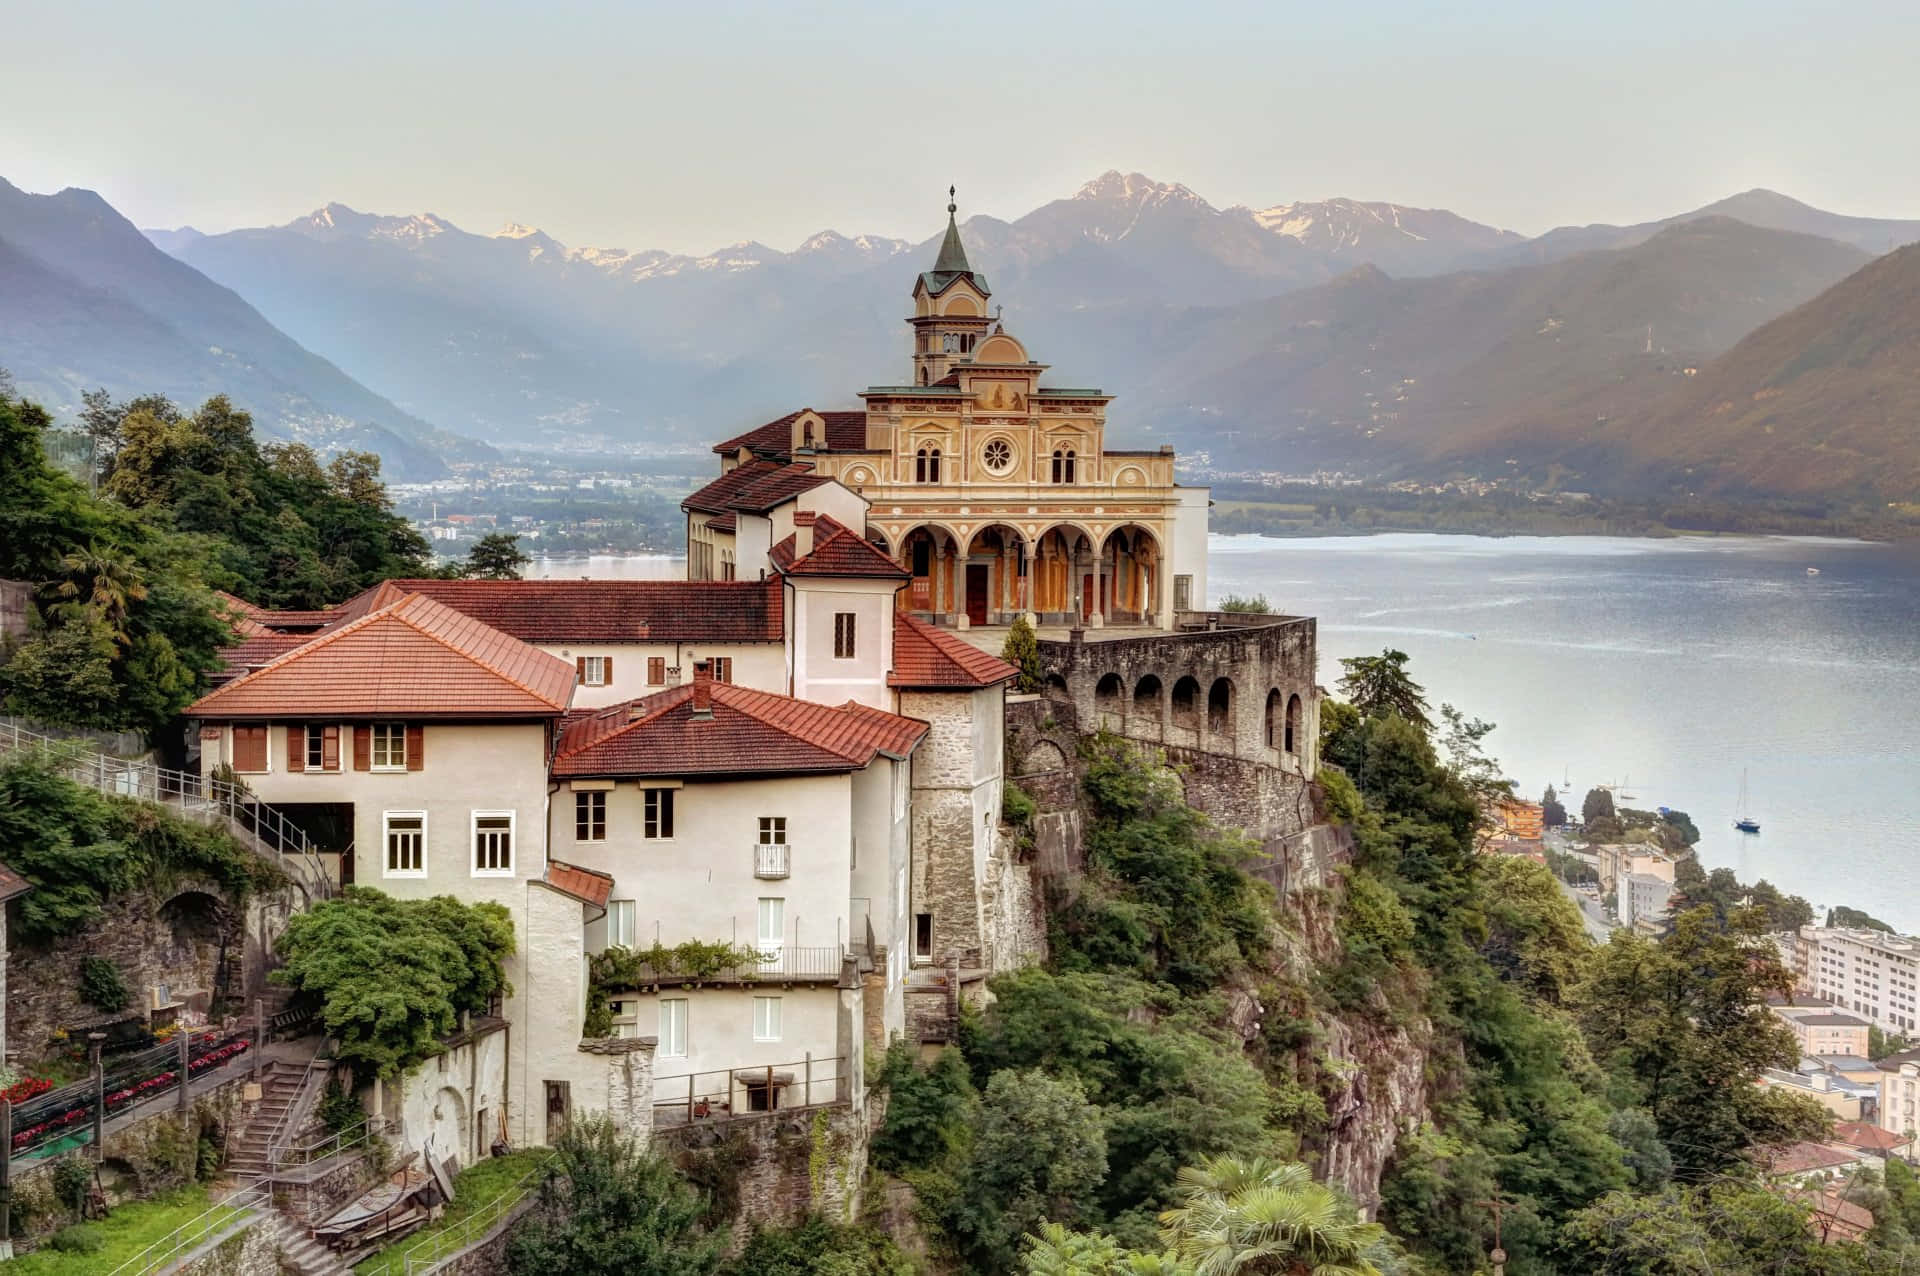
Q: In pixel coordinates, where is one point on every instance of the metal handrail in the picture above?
(774, 965)
(267, 829)
(169, 1249)
(443, 1245)
(358, 1134)
(296, 1114)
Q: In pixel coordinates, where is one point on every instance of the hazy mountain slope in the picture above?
(1768, 209)
(1370, 371)
(86, 301)
(1823, 399)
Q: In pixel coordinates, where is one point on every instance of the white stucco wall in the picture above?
(752, 539)
(1189, 548)
(760, 665)
(454, 1100)
(700, 884)
(720, 1036)
(817, 673)
(882, 822)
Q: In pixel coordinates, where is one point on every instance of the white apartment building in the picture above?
(1869, 972)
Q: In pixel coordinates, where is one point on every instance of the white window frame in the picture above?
(650, 807)
(622, 923)
(674, 1024)
(473, 842)
(767, 1016)
(314, 740)
(396, 730)
(593, 671)
(386, 844)
(591, 797)
(773, 830)
(771, 940)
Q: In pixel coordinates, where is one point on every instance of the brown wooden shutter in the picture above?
(330, 748)
(656, 671)
(416, 746)
(363, 748)
(250, 748)
(606, 670)
(297, 747)
(579, 670)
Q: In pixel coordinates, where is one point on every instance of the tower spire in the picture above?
(953, 257)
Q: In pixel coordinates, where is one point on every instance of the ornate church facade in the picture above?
(996, 493)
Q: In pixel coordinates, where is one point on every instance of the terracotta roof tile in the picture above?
(838, 550)
(750, 732)
(1802, 1158)
(606, 610)
(255, 650)
(12, 884)
(722, 523)
(415, 658)
(846, 432)
(775, 489)
(1870, 1138)
(924, 656)
(716, 497)
(584, 884)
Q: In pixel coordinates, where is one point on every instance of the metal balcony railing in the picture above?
(771, 860)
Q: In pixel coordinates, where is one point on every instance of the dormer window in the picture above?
(926, 465)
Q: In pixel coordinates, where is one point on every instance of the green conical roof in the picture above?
(953, 257)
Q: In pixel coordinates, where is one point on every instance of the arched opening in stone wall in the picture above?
(449, 1132)
(1147, 695)
(1186, 704)
(1044, 758)
(1293, 740)
(1109, 695)
(1057, 689)
(1220, 707)
(1276, 718)
(202, 943)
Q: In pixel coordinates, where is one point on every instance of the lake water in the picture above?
(1667, 666)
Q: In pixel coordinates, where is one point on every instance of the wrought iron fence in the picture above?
(131, 1080)
(770, 860)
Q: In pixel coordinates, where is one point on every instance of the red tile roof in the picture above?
(12, 884)
(924, 656)
(255, 650)
(605, 610)
(1803, 1158)
(1869, 1138)
(838, 550)
(716, 497)
(249, 619)
(846, 432)
(776, 489)
(413, 658)
(750, 732)
(587, 885)
(722, 523)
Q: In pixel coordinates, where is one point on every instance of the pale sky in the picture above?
(687, 126)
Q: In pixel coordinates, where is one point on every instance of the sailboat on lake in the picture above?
(1743, 816)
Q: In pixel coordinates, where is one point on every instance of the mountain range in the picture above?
(86, 300)
(1364, 336)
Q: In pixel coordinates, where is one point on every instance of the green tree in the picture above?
(608, 1207)
(1055, 1251)
(819, 1248)
(495, 556)
(1254, 604)
(1682, 1025)
(1380, 685)
(1552, 814)
(1721, 1230)
(1535, 937)
(1265, 1218)
(1022, 651)
(391, 977)
(1039, 1153)
(1853, 918)
(1598, 804)
(929, 1111)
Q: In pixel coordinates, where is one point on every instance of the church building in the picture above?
(995, 493)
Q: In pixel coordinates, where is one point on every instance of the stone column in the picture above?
(1102, 600)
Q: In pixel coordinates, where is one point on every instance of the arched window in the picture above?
(926, 465)
(1293, 724)
(1063, 465)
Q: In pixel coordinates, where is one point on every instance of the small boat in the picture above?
(1813, 571)
(1743, 819)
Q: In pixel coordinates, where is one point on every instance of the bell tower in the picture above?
(949, 308)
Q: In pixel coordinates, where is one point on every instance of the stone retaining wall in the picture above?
(792, 1164)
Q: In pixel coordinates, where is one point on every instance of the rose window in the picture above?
(998, 456)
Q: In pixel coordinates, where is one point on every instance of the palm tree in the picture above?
(1248, 1216)
(106, 580)
(1059, 1252)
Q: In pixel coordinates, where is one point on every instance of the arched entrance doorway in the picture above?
(1062, 575)
(996, 573)
(931, 554)
(1127, 576)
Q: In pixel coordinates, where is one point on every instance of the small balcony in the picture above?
(770, 860)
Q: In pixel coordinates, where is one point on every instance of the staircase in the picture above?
(280, 1093)
(262, 829)
(300, 1252)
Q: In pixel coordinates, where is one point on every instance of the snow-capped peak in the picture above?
(1137, 188)
(514, 230)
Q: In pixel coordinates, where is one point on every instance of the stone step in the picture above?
(302, 1253)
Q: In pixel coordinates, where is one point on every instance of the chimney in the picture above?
(802, 533)
(703, 690)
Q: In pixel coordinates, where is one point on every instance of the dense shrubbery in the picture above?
(390, 977)
(80, 848)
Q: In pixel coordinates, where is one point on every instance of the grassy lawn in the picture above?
(128, 1230)
(473, 1187)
